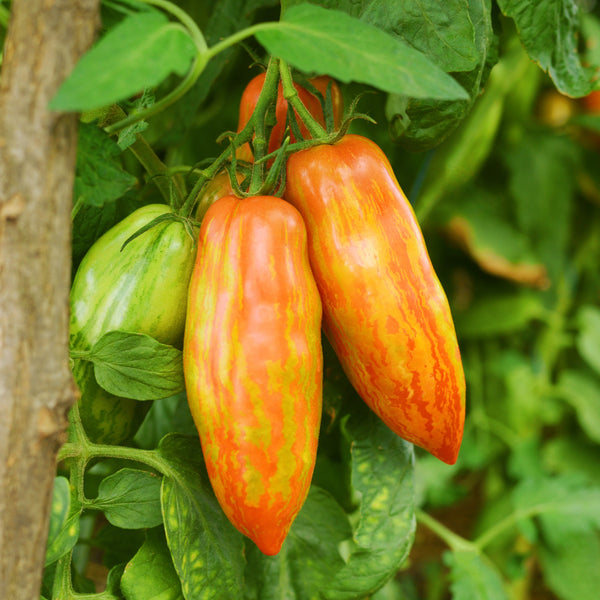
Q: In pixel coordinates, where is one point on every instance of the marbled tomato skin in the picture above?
(253, 362)
(384, 310)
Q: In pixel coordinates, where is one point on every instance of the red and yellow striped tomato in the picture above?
(384, 310)
(253, 362)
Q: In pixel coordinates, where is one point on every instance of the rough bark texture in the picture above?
(37, 160)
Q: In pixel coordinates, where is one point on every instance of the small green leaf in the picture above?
(383, 478)
(570, 568)
(569, 520)
(473, 577)
(135, 365)
(137, 53)
(150, 574)
(207, 551)
(113, 583)
(309, 556)
(64, 522)
(570, 455)
(564, 505)
(330, 41)
(130, 499)
(588, 340)
(549, 30)
(499, 314)
(542, 180)
(475, 220)
(582, 391)
(99, 176)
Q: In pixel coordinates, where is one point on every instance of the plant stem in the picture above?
(156, 169)
(170, 98)
(290, 93)
(147, 457)
(454, 541)
(204, 55)
(185, 19)
(239, 36)
(267, 96)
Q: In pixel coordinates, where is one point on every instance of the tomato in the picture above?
(141, 288)
(217, 187)
(253, 363)
(384, 310)
(591, 103)
(250, 98)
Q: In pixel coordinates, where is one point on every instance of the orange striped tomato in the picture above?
(384, 310)
(253, 362)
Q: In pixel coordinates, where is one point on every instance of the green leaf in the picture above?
(460, 158)
(309, 555)
(99, 176)
(569, 520)
(542, 180)
(475, 220)
(571, 455)
(383, 478)
(130, 499)
(207, 551)
(113, 583)
(564, 506)
(473, 577)
(570, 568)
(499, 314)
(582, 391)
(63, 530)
(329, 41)
(444, 32)
(588, 340)
(135, 365)
(549, 30)
(460, 39)
(456, 35)
(137, 53)
(150, 574)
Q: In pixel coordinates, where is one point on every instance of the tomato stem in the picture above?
(170, 98)
(185, 19)
(146, 156)
(260, 144)
(198, 65)
(454, 541)
(290, 93)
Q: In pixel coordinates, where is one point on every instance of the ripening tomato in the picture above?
(253, 362)
(591, 103)
(384, 310)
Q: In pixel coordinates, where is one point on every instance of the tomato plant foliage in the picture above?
(478, 105)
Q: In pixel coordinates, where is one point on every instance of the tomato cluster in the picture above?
(341, 253)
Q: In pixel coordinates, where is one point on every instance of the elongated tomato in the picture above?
(253, 362)
(384, 310)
